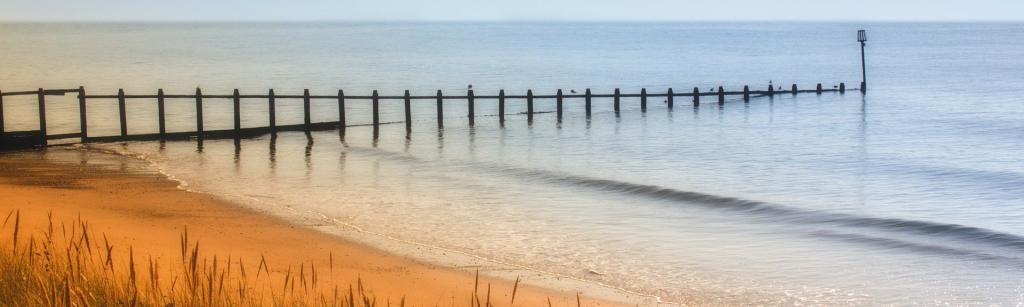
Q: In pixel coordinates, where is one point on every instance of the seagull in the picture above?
(572, 91)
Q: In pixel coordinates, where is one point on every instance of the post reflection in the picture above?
(309, 151)
(472, 141)
(272, 154)
(862, 139)
(238, 151)
(440, 143)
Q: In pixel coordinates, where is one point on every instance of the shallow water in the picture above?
(909, 194)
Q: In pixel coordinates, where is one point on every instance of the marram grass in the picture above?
(69, 265)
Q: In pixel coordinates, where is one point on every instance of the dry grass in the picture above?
(69, 265)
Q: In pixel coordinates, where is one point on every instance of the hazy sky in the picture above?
(509, 10)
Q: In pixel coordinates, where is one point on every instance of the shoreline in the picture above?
(100, 191)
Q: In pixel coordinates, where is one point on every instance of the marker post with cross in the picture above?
(862, 37)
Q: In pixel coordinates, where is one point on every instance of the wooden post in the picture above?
(161, 115)
(440, 110)
(237, 104)
(272, 109)
(746, 93)
(305, 109)
(616, 100)
(83, 121)
(558, 104)
(643, 100)
(469, 100)
(721, 95)
(341, 111)
(199, 113)
(529, 106)
(42, 115)
(842, 88)
(588, 98)
(818, 89)
(669, 97)
(408, 112)
(1, 112)
(501, 107)
(376, 111)
(123, 112)
(696, 96)
(794, 89)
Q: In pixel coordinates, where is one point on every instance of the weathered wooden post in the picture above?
(721, 95)
(305, 109)
(696, 96)
(237, 104)
(408, 112)
(529, 106)
(746, 93)
(794, 89)
(376, 111)
(161, 116)
(842, 88)
(643, 100)
(83, 121)
(440, 110)
(616, 100)
(199, 113)
(469, 100)
(341, 112)
(588, 98)
(817, 89)
(272, 109)
(1, 112)
(123, 112)
(669, 97)
(42, 115)
(558, 104)
(501, 107)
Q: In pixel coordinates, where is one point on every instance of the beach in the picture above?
(907, 193)
(138, 208)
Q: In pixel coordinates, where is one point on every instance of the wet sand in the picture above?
(137, 207)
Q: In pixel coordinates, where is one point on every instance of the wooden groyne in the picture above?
(21, 139)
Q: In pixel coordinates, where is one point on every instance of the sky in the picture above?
(511, 10)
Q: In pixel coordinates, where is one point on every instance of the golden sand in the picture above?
(149, 213)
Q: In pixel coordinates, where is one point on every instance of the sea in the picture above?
(909, 194)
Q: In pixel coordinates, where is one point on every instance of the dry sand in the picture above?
(143, 209)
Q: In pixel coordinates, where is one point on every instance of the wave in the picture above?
(764, 210)
(919, 247)
(788, 213)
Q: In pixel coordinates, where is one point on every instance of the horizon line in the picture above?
(512, 21)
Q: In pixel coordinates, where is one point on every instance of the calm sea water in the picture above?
(909, 194)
